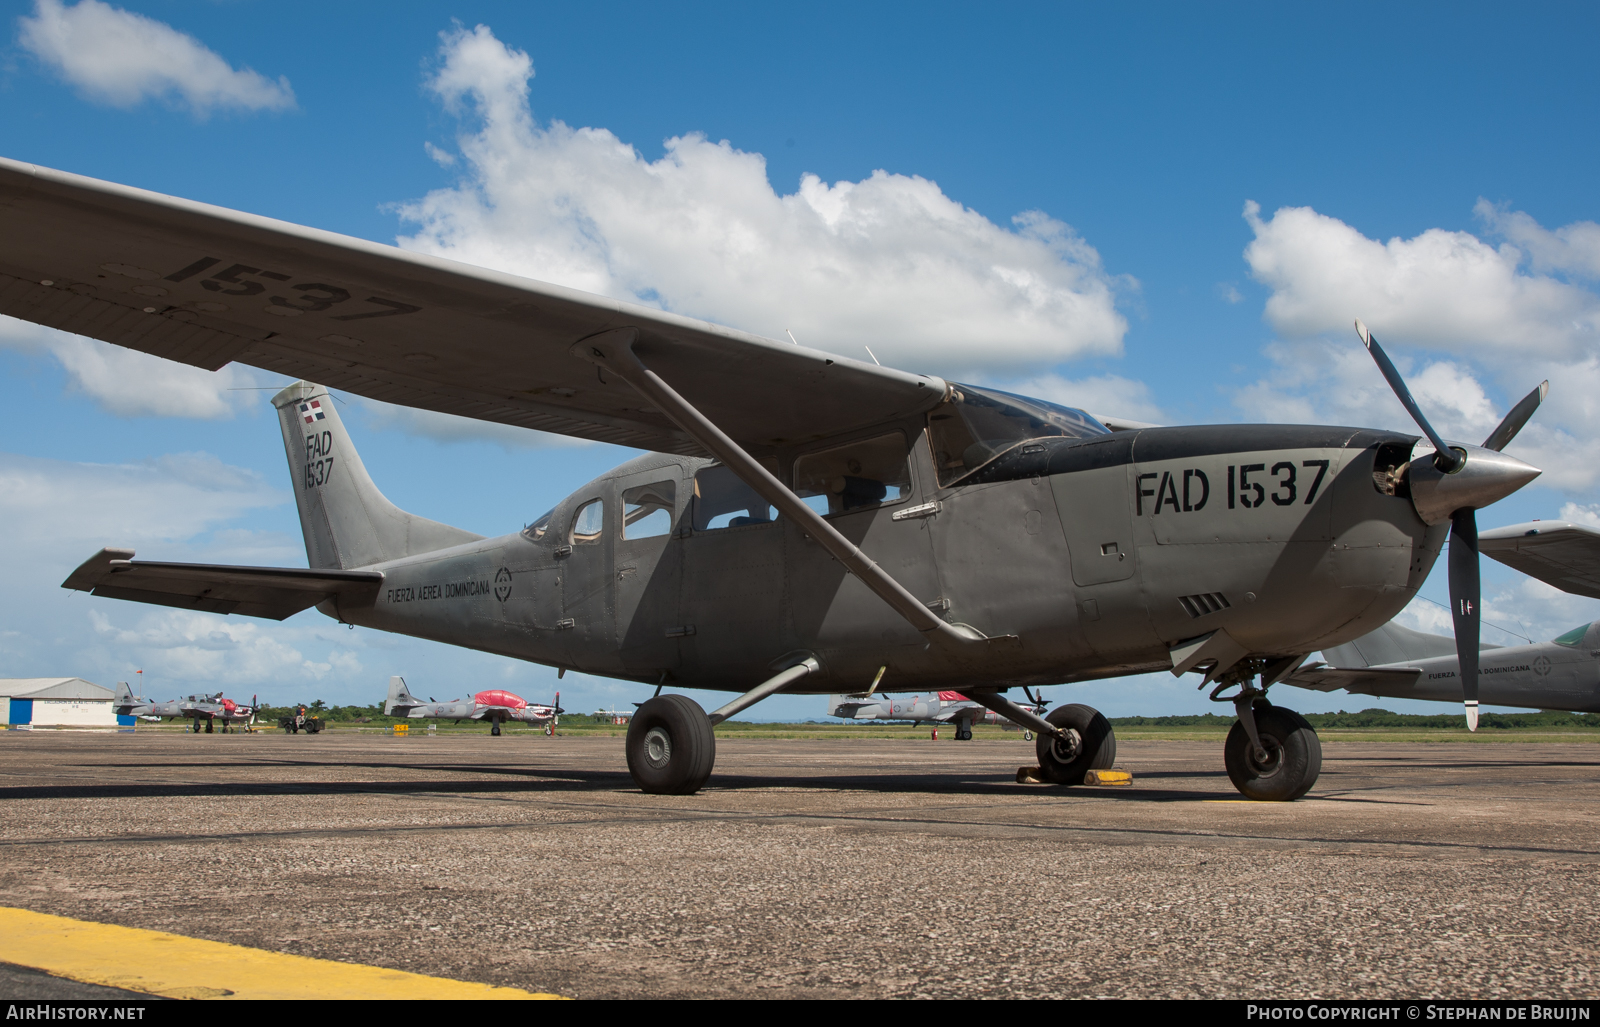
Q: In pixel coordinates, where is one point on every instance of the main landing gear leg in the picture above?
(1272, 753)
(494, 726)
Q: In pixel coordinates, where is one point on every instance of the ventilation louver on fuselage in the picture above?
(1206, 602)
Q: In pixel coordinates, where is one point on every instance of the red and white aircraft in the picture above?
(939, 708)
(496, 705)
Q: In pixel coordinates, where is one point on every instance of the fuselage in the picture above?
(493, 704)
(1096, 555)
(192, 707)
(939, 707)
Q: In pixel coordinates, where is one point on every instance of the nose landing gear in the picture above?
(1272, 753)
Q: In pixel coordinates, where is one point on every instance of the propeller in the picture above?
(1457, 481)
(557, 705)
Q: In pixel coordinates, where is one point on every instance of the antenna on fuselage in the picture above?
(791, 336)
(871, 354)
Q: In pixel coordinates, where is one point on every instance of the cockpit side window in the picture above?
(976, 425)
(589, 523)
(856, 475)
(1572, 638)
(721, 500)
(647, 510)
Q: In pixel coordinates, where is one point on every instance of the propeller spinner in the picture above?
(1451, 486)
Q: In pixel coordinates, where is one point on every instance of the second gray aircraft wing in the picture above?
(1323, 678)
(1559, 553)
(270, 592)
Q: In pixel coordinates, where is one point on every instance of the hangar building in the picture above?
(58, 702)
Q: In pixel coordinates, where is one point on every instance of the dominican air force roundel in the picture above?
(312, 411)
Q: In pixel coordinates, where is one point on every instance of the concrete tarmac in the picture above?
(826, 868)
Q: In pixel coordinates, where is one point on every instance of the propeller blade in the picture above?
(1445, 458)
(1465, 595)
(1501, 437)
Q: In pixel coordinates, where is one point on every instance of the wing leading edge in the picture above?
(270, 592)
(206, 285)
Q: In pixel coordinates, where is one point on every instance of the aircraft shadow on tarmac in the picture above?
(576, 782)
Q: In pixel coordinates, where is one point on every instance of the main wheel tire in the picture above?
(671, 746)
(1096, 748)
(1294, 756)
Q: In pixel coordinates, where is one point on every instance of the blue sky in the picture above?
(1427, 167)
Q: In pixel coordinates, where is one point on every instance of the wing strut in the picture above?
(613, 350)
(1014, 713)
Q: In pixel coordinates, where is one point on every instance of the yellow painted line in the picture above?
(172, 966)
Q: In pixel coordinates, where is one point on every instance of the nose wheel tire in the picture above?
(671, 747)
(1090, 745)
(1293, 750)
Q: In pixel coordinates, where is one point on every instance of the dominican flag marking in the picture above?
(312, 411)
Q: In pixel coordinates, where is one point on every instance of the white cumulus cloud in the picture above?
(1503, 316)
(1571, 249)
(430, 424)
(889, 261)
(1442, 289)
(120, 58)
(133, 384)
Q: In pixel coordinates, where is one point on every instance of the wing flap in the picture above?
(206, 285)
(270, 592)
(1558, 553)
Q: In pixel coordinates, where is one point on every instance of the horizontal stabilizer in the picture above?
(1323, 678)
(1559, 553)
(271, 592)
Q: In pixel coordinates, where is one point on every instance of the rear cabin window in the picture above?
(856, 475)
(589, 523)
(977, 425)
(721, 500)
(647, 510)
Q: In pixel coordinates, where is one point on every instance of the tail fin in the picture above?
(401, 701)
(124, 697)
(347, 522)
(1389, 644)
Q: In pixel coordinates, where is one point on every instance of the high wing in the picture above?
(206, 285)
(1323, 678)
(1556, 552)
(271, 592)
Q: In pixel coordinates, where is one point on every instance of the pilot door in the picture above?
(584, 570)
(647, 569)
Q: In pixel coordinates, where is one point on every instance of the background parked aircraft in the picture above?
(496, 705)
(1561, 674)
(207, 709)
(938, 708)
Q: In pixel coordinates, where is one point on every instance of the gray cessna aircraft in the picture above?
(803, 522)
(1561, 674)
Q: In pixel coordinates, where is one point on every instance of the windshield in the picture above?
(977, 425)
(537, 529)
